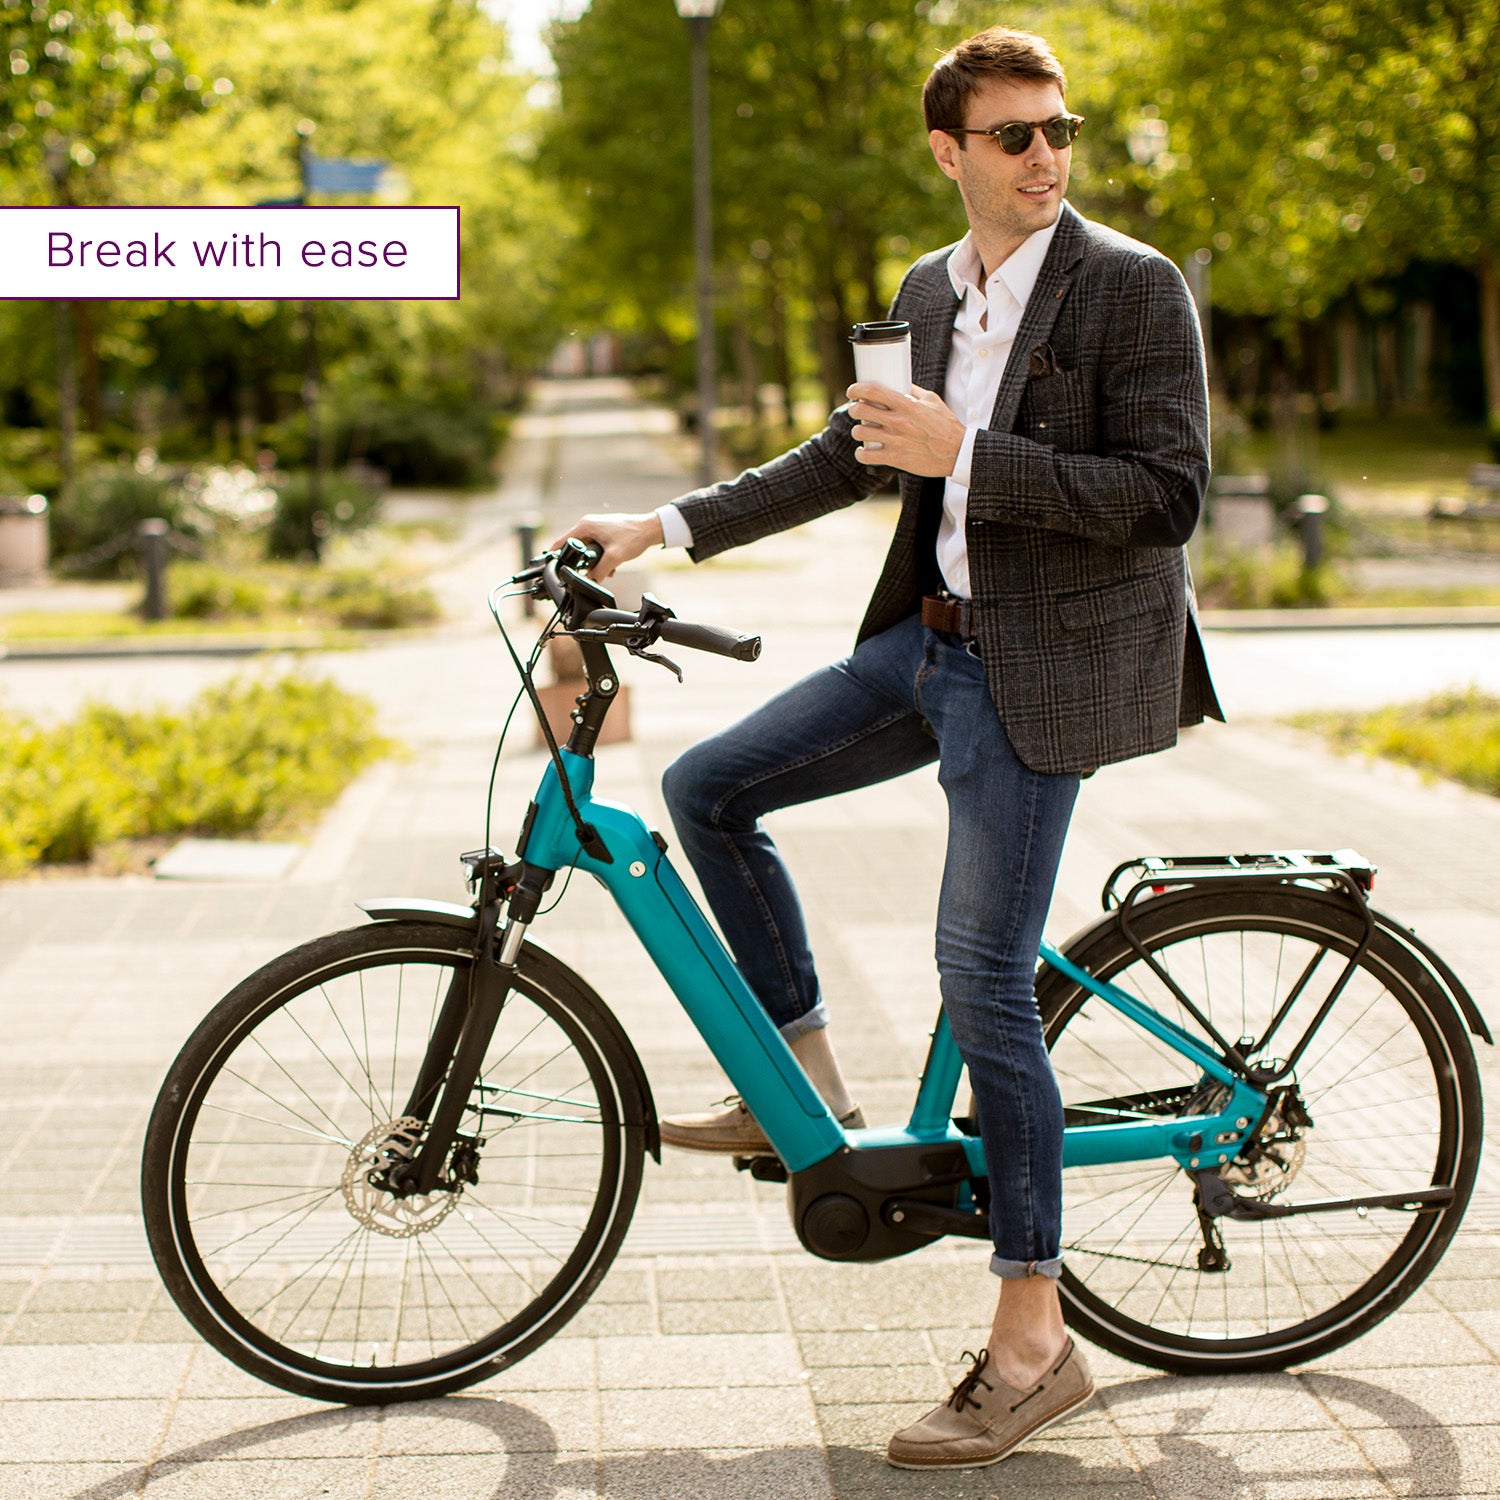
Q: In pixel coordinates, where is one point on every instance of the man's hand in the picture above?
(621, 537)
(916, 433)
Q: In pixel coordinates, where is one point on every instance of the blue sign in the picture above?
(335, 174)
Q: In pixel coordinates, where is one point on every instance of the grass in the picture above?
(1403, 449)
(252, 755)
(210, 599)
(1455, 735)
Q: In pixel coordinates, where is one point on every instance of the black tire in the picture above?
(1389, 1081)
(270, 1238)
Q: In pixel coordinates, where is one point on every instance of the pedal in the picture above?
(762, 1168)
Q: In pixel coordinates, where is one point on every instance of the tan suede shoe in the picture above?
(732, 1131)
(985, 1419)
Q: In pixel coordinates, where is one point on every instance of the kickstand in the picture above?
(1212, 1256)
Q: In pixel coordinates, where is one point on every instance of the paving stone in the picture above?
(739, 1283)
(721, 1317)
(758, 1417)
(518, 1422)
(268, 1428)
(469, 1476)
(1224, 1403)
(919, 1383)
(723, 1474)
(262, 1479)
(1188, 1464)
(66, 1432)
(1026, 1475)
(849, 1349)
(1408, 1339)
(727, 1360)
(1406, 1398)
(68, 1481)
(561, 1364)
(91, 1372)
(1436, 1460)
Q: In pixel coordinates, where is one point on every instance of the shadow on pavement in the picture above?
(1191, 1459)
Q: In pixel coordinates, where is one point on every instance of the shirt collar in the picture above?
(1018, 272)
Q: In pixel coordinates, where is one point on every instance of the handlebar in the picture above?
(562, 574)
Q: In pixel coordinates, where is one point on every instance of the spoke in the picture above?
(322, 1135)
(301, 1089)
(362, 1100)
(282, 1104)
(244, 1208)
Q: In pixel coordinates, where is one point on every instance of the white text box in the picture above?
(238, 254)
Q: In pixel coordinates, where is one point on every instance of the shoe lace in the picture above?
(963, 1393)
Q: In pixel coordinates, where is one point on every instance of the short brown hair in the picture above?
(998, 52)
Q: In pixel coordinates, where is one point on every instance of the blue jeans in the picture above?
(905, 698)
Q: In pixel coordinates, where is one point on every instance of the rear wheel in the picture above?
(1385, 1099)
(262, 1171)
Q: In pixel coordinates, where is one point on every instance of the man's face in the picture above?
(1007, 197)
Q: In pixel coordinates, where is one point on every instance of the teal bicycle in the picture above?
(400, 1157)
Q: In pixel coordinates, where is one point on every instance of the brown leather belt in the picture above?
(943, 612)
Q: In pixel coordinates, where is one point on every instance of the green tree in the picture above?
(823, 183)
(1321, 148)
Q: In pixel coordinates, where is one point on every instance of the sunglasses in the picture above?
(1015, 135)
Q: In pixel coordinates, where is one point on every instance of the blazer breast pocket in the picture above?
(1055, 408)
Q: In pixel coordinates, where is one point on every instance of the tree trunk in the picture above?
(87, 339)
(781, 358)
(1386, 368)
(835, 360)
(1489, 342)
(67, 398)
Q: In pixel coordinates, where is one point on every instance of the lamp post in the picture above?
(699, 15)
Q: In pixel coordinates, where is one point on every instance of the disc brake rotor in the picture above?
(378, 1208)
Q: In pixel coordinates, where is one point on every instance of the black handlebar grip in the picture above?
(711, 638)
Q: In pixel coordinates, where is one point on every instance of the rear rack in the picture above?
(1345, 871)
(1156, 873)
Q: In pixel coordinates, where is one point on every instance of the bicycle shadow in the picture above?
(1188, 1462)
(1190, 1459)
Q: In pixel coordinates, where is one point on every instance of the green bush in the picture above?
(254, 753)
(202, 591)
(287, 593)
(1226, 578)
(343, 503)
(1455, 734)
(422, 443)
(360, 599)
(110, 502)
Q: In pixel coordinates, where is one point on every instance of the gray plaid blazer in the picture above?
(1085, 485)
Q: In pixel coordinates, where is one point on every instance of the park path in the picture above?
(716, 1360)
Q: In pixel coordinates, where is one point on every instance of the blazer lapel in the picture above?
(932, 332)
(1042, 308)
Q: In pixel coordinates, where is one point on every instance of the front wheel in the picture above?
(262, 1174)
(1384, 1099)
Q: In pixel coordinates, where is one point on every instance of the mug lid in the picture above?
(880, 333)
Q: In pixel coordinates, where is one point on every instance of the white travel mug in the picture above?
(882, 353)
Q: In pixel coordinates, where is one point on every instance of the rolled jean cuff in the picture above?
(1018, 1270)
(814, 1020)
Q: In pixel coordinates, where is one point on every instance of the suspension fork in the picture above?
(467, 1021)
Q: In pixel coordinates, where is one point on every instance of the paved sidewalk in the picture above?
(717, 1361)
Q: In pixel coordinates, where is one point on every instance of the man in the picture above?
(1034, 621)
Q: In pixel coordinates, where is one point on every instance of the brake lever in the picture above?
(660, 661)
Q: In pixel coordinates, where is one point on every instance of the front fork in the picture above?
(470, 1012)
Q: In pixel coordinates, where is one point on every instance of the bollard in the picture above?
(526, 534)
(151, 544)
(1308, 511)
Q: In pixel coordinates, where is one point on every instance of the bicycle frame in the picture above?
(711, 989)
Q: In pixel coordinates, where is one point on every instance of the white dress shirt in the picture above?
(984, 331)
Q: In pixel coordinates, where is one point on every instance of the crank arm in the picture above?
(1220, 1202)
(936, 1219)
